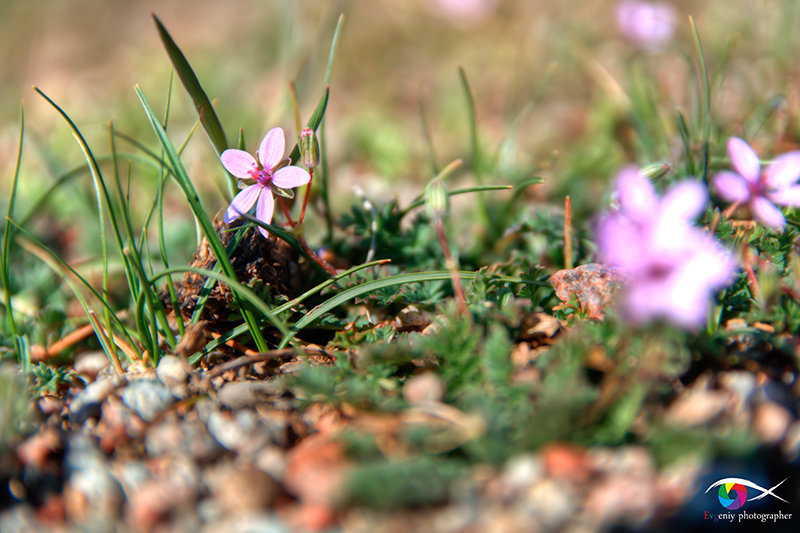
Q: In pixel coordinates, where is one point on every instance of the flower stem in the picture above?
(305, 198)
(286, 212)
(455, 280)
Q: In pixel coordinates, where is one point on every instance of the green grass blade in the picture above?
(686, 139)
(236, 288)
(420, 200)
(57, 265)
(353, 292)
(240, 330)
(705, 98)
(313, 122)
(182, 178)
(4, 260)
(208, 117)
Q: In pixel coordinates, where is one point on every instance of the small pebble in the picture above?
(86, 403)
(173, 371)
(147, 397)
(423, 388)
(245, 394)
(91, 363)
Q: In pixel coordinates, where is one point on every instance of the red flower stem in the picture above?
(286, 211)
(455, 280)
(308, 191)
(314, 257)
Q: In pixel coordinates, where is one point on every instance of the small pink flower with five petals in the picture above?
(760, 191)
(271, 170)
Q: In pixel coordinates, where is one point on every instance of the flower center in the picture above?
(262, 175)
(659, 271)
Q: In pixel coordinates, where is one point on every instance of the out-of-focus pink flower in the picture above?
(672, 267)
(760, 191)
(648, 24)
(271, 170)
(466, 11)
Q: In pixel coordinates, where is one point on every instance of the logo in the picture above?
(732, 492)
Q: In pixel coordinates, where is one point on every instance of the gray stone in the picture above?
(86, 404)
(147, 397)
(173, 371)
(91, 363)
(242, 432)
(245, 394)
(191, 438)
(89, 475)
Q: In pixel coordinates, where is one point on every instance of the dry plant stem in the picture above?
(101, 332)
(236, 345)
(451, 266)
(256, 357)
(63, 343)
(567, 232)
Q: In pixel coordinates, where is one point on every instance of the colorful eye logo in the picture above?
(732, 495)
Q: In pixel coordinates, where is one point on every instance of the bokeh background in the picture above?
(553, 84)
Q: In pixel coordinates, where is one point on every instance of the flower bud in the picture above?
(656, 170)
(436, 198)
(309, 148)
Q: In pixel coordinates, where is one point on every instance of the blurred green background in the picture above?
(558, 91)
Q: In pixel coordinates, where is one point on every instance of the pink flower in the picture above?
(270, 171)
(672, 267)
(760, 191)
(465, 11)
(648, 24)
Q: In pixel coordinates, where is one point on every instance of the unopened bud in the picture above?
(656, 170)
(436, 198)
(309, 148)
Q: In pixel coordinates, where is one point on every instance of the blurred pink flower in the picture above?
(672, 267)
(760, 191)
(466, 10)
(271, 170)
(648, 24)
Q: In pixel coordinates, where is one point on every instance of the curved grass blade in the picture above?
(705, 98)
(239, 330)
(4, 270)
(236, 287)
(208, 118)
(420, 200)
(61, 268)
(182, 178)
(364, 288)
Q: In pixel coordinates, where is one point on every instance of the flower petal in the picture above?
(270, 152)
(264, 210)
(637, 197)
(744, 159)
(766, 213)
(784, 170)
(619, 243)
(789, 196)
(238, 162)
(290, 177)
(732, 187)
(684, 201)
(242, 202)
